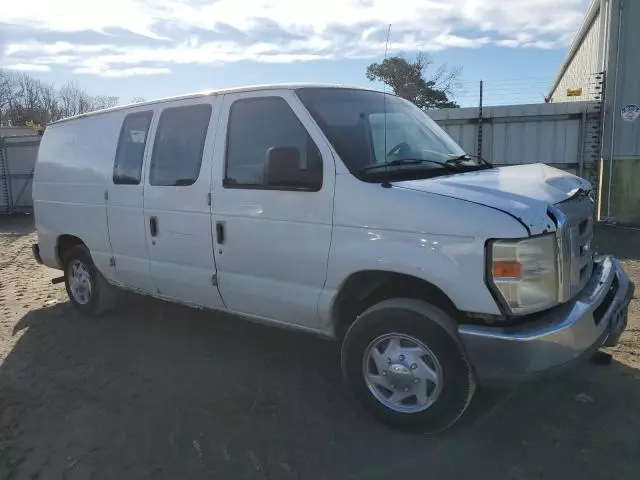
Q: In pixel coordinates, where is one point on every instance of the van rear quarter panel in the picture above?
(74, 168)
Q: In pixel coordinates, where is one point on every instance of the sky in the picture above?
(160, 48)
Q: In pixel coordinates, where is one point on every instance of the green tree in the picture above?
(408, 80)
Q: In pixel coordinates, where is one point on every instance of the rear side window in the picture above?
(127, 168)
(177, 149)
(257, 126)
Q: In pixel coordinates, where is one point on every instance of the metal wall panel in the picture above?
(553, 133)
(620, 199)
(625, 195)
(16, 172)
(626, 138)
(5, 194)
(16, 131)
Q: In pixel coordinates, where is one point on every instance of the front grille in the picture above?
(576, 243)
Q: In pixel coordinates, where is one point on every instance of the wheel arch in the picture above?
(365, 288)
(64, 244)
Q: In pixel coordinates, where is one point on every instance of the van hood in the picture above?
(523, 191)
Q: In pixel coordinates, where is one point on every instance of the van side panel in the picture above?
(75, 162)
(412, 233)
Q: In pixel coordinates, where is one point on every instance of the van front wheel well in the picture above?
(65, 244)
(364, 289)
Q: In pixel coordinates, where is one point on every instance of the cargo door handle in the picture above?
(220, 233)
(153, 226)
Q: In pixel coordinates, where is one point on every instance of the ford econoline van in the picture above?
(343, 212)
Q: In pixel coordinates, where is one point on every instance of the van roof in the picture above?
(248, 88)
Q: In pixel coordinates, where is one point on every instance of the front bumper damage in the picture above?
(596, 317)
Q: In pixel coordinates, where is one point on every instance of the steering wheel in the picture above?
(402, 147)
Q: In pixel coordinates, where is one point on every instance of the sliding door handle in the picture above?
(220, 232)
(153, 226)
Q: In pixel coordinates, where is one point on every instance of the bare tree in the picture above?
(8, 95)
(50, 104)
(138, 100)
(85, 102)
(67, 99)
(29, 99)
(445, 80)
(25, 99)
(73, 100)
(102, 101)
(29, 91)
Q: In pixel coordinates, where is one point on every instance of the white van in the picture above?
(339, 211)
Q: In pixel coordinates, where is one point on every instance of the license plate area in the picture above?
(618, 323)
(599, 313)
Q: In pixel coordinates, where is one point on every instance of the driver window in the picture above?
(257, 127)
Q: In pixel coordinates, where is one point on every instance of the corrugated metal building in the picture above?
(609, 41)
(586, 57)
(556, 134)
(17, 162)
(16, 131)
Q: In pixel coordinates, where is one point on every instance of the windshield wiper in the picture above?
(467, 156)
(408, 161)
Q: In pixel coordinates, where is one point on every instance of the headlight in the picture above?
(525, 273)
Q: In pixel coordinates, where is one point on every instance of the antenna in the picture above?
(386, 183)
(480, 121)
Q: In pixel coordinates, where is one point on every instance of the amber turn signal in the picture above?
(507, 270)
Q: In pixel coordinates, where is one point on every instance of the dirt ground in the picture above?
(159, 391)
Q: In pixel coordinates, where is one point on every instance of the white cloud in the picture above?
(448, 40)
(78, 15)
(276, 31)
(54, 48)
(28, 67)
(122, 72)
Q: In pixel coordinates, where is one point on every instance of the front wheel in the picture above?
(406, 368)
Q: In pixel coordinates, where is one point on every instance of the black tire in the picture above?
(433, 328)
(104, 296)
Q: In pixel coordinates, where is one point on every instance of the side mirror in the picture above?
(283, 167)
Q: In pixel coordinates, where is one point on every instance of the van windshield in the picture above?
(378, 138)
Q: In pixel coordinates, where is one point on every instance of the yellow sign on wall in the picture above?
(574, 92)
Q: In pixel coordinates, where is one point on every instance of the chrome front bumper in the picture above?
(596, 317)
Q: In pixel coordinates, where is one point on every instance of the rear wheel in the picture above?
(406, 368)
(88, 290)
